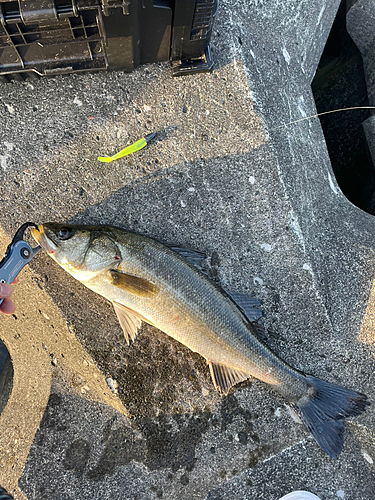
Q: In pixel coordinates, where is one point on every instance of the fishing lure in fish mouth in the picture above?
(136, 146)
(164, 286)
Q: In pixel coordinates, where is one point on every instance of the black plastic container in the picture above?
(48, 37)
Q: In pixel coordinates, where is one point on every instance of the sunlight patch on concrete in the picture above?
(196, 118)
(366, 333)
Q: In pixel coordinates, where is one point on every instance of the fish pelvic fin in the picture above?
(323, 411)
(129, 320)
(224, 378)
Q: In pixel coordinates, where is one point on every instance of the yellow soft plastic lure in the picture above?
(136, 146)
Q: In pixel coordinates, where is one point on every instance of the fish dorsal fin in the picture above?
(133, 284)
(224, 378)
(248, 305)
(193, 256)
(129, 320)
(259, 329)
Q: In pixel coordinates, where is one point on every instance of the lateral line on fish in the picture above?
(321, 114)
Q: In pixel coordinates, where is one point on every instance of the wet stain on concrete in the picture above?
(122, 446)
(259, 454)
(52, 418)
(163, 442)
(154, 373)
(230, 408)
(171, 443)
(153, 370)
(76, 456)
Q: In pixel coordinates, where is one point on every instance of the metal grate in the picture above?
(51, 44)
(203, 19)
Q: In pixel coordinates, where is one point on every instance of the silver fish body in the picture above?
(146, 280)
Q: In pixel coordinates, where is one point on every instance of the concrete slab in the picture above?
(224, 176)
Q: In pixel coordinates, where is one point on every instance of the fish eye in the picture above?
(64, 234)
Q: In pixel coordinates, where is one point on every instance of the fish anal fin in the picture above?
(129, 320)
(133, 284)
(224, 378)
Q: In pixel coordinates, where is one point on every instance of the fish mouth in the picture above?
(42, 239)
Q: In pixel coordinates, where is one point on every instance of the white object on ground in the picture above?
(300, 495)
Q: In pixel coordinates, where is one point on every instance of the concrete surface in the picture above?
(224, 176)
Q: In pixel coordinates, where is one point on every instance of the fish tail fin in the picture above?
(324, 409)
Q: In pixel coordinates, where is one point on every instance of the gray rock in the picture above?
(360, 22)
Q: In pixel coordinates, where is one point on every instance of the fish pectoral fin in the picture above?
(224, 378)
(129, 320)
(133, 284)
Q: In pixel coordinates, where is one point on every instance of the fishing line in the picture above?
(321, 114)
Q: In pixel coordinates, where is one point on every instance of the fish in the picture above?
(165, 286)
